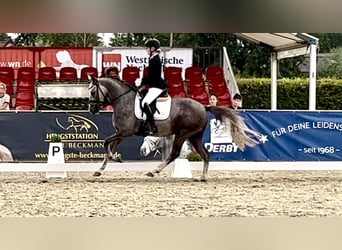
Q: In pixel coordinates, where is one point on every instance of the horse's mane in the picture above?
(108, 82)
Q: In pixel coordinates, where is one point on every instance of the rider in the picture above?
(154, 80)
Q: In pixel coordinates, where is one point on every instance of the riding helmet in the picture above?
(152, 43)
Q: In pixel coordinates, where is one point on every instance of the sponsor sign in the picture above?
(286, 136)
(82, 135)
(77, 57)
(39, 57)
(137, 57)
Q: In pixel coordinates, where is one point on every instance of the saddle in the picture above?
(161, 107)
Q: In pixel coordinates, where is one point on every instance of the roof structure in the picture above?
(277, 42)
(8, 42)
(284, 45)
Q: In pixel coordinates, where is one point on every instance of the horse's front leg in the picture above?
(111, 143)
(158, 169)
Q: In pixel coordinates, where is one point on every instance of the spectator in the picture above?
(112, 72)
(213, 99)
(4, 98)
(236, 103)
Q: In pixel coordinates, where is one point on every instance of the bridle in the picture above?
(96, 101)
(108, 99)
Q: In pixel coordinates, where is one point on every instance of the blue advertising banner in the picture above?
(27, 135)
(287, 136)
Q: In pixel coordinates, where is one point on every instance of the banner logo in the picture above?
(78, 124)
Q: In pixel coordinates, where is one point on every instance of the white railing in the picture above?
(229, 74)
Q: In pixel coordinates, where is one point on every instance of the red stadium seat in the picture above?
(26, 80)
(193, 72)
(47, 74)
(7, 77)
(88, 71)
(224, 97)
(214, 72)
(68, 74)
(216, 84)
(130, 74)
(200, 96)
(24, 99)
(145, 72)
(24, 107)
(7, 72)
(176, 84)
(196, 84)
(26, 72)
(172, 73)
(176, 88)
(177, 93)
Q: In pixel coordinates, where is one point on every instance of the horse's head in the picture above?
(98, 95)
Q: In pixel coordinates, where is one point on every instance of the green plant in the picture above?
(291, 93)
(56, 138)
(194, 156)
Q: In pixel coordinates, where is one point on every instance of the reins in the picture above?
(130, 88)
(109, 98)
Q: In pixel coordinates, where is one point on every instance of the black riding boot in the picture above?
(152, 126)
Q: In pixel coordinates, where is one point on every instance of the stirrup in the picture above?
(152, 131)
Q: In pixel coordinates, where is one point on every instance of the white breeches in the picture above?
(151, 95)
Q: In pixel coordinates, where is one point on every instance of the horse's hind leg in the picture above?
(196, 141)
(111, 143)
(176, 149)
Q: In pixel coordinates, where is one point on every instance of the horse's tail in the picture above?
(241, 134)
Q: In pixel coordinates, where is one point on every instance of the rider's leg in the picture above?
(151, 95)
(150, 119)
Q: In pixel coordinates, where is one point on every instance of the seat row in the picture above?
(45, 74)
(198, 84)
(22, 87)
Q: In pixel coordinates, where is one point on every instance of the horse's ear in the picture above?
(91, 77)
(92, 80)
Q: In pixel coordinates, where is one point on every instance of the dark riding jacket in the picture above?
(153, 79)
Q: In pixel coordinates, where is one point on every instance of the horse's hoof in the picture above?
(119, 160)
(150, 174)
(97, 174)
(200, 180)
(117, 157)
(203, 178)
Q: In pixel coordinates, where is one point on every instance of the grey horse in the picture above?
(187, 121)
(5, 154)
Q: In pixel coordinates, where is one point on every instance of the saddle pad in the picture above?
(163, 106)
